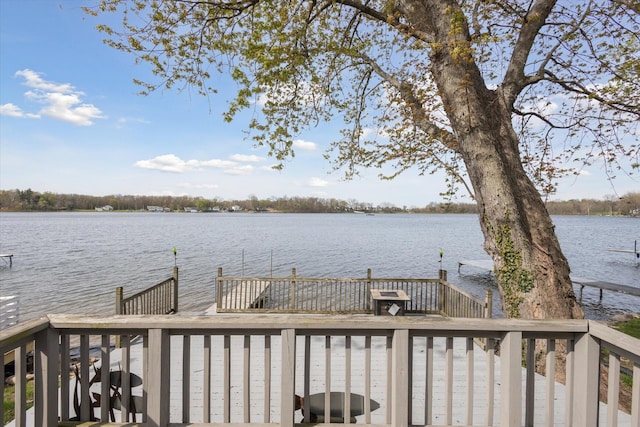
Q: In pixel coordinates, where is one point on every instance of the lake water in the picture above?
(72, 262)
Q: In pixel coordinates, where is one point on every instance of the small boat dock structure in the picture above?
(486, 264)
(635, 251)
(6, 257)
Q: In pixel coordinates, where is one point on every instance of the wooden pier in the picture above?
(244, 295)
(485, 264)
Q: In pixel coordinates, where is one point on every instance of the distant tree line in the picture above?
(29, 200)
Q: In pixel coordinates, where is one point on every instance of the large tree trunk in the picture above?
(531, 271)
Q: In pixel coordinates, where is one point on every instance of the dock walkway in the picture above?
(486, 264)
(242, 296)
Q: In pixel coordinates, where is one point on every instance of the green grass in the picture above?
(9, 401)
(630, 327)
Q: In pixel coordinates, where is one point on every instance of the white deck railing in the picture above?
(246, 369)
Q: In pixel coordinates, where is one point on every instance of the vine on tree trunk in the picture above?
(512, 277)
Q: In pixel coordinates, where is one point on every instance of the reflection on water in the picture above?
(72, 262)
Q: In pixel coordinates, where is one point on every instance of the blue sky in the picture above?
(71, 122)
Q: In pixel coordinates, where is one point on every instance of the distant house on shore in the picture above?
(155, 208)
(104, 208)
(191, 209)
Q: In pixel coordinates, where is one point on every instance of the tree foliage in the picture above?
(500, 94)
(568, 70)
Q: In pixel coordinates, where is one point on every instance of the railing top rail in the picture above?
(465, 293)
(331, 279)
(22, 331)
(612, 338)
(310, 322)
(149, 289)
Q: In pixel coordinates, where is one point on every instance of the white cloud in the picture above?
(304, 145)
(13, 110)
(199, 186)
(123, 121)
(240, 170)
(61, 101)
(173, 163)
(246, 158)
(317, 182)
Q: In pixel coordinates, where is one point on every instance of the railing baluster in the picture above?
(613, 389)
(470, 383)
(2, 383)
(635, 396)
(20, 388)
(530, 383)
(186, 378)
(246, 375)
(65, 363)
(490, 380)
(511, 379)
(448, 387)
(206, 383)
(105, 378)
(428, 393)
(569, 370)
(551, 381)
(125, 379)
(267, 379)
(287, 382)
(327, 377)
(399, 379)
(347, 379)
(227, 380)
(410, 379)
(85, 400)
(307, 373)
(367, 379)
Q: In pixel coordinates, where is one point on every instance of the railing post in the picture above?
(175, 290)
(219, 289)
(287, 381)
(511, 379)
(488, 301)
(157, 384)
(368, 296)
(587, 381)
(400, 379)
(119, 300)
(46, 359)
(119, 310)
(292, 290)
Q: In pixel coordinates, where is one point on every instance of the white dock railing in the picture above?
(246, 370)
(295, 294)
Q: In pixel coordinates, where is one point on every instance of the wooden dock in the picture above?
(486, 264)
(243, 296)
